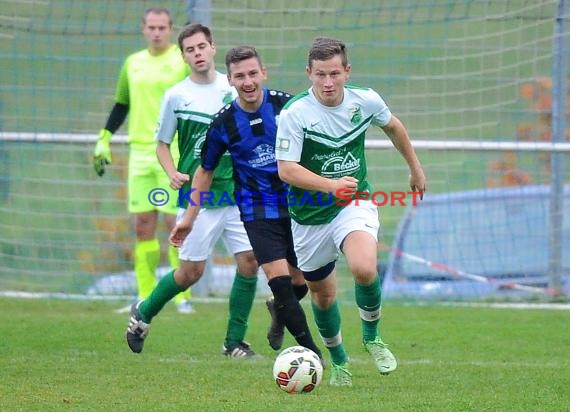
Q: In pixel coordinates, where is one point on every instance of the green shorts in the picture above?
(148, 183)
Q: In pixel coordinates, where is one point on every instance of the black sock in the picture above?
(300, 291)
(290, 312)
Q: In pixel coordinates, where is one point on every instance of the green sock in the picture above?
(166, 289)
(328, 322)
(368, 300)
(240, 303)
(174, 264)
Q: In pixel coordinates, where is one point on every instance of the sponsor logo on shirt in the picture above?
(340, 166)
(265, 155)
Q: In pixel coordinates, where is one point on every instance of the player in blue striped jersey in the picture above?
(249, 138)
(247, 128)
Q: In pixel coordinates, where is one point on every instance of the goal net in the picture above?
(460, 72)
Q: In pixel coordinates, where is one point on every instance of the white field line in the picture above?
(476, 363)
(364, 360)
(509, 305)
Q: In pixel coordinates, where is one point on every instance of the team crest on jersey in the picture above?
(339, 166)
(355, 115)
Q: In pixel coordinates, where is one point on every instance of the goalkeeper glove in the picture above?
(102, 153)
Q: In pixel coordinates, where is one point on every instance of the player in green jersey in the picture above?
(188, 108)
(143, 79)
(320, 149)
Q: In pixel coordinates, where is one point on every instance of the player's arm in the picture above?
(164, 155)
(165, 132)
(398, 134)
(297, 175)
(215, 145)
(102, 152)
(288, 149)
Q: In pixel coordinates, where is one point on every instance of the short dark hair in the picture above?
(325, 48)
(157, 10)
(240, 53)
(192, 29)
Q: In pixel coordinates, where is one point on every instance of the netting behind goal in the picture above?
(451, 70)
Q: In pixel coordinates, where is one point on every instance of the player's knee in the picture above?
(247, 264)
(323, 295)
(324, 298)
(297, 278)
(145, 225)
(187, 275)
(364, 272)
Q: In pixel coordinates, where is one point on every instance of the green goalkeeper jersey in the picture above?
(143, 79)
(328, 141)
(188, 109)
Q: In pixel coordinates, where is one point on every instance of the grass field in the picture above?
(449, 69)
(68, 355)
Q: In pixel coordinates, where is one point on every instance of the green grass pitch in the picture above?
(60, 64)
(69, 355)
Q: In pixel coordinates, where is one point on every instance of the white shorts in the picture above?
(317, 245)
(209, 226)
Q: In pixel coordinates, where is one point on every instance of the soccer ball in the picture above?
(297, 370)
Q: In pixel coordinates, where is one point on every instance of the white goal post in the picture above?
(420, 144)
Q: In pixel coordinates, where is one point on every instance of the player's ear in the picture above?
(348, 70)
(308, 70)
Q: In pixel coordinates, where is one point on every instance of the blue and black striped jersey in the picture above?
(250, 140)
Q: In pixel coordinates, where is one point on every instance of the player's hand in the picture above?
(178, 179)
(418, 181)
(179, 233)
(346, 184)
(102, 152)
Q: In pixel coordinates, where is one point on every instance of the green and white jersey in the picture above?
(143, 79)
(188, 108)
(328, 141)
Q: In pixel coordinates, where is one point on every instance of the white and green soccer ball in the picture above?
(297, 370)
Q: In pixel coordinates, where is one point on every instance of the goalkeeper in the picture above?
(143, 79)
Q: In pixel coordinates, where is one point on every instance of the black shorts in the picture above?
(271, 240)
